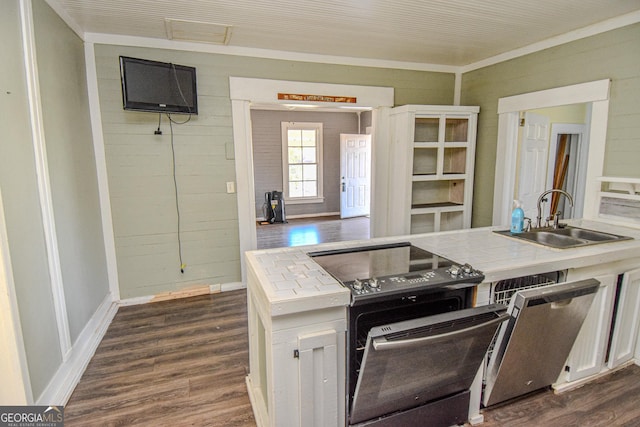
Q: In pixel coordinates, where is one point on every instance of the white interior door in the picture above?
(355, 175)
(534, 150)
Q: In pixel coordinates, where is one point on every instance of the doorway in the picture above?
(552, 155)
(596, 95)
(248, 92)
(336, 162)
(569, 148)
(355, 175)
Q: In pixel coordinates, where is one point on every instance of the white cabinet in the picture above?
(433, 156)
(625, 330)
(588, 354)
(296, 363)
(605, 343)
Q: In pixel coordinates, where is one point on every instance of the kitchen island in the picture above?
(298, 314)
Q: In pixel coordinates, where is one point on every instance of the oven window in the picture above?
(423, 360)
(381, 314)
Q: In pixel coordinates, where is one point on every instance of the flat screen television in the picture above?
(158, 86)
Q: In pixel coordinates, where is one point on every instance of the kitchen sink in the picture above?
(563, 238)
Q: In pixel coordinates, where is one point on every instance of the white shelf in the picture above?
(426, 144)
(625, 196)
(439, 177)
(439, 207)
(619, 200)
(463, 144)
(618, 184)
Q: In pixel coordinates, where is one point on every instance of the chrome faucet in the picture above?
(554, 215)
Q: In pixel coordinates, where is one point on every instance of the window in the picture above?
(302, 162)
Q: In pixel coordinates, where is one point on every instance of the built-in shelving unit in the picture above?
(434, 153)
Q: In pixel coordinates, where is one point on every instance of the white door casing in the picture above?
(355, 175)
(534, 151)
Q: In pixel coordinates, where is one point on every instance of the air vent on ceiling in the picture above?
(205, 32)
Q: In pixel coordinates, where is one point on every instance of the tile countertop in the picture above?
(292, 282)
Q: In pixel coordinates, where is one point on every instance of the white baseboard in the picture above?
(564, 387)
(476, 420)
(59, 389)
(233, 286)
(135, 301)
(259, 411)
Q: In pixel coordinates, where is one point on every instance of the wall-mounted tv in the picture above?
(158, 86)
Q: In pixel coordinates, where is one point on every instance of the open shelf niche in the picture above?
(437, 145)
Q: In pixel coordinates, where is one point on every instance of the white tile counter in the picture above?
(502, 257)
(292, 282)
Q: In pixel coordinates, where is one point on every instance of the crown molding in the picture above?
(121, 40)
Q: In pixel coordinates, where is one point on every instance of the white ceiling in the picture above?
(444, 32)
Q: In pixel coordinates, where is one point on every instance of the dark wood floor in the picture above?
(173, 363)
(183, 362)
(613, 400)
(309, 231)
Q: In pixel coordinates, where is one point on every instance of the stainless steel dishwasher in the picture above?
(532, 347)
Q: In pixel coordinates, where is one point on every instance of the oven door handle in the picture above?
(381, 343)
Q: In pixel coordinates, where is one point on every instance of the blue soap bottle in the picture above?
(517, 217)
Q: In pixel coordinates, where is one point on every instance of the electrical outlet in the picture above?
(231, 187)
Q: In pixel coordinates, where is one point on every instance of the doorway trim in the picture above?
(247, 91)
(596, 93)
(581, 163)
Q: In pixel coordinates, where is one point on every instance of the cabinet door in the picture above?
(318, 373)
(589, 350)
(625, 331)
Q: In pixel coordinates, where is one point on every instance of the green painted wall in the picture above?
(139, 163)
(575, 114)
(73, 182)
(614, 55)
(22, 209)
(72, 166)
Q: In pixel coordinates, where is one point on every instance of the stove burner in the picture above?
(392, 270)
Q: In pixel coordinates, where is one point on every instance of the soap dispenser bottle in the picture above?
(517, 217)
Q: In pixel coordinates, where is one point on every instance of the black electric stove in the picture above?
(381, 272)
